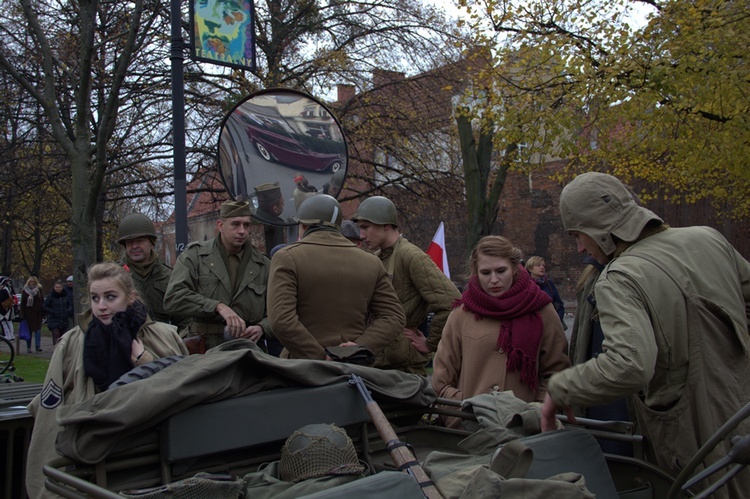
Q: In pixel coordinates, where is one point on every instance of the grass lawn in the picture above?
(31, 369)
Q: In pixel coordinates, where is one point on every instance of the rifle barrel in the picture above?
(402, 455)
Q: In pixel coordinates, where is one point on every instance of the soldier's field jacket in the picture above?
(686, 374)
(324, 290)
(152, 285)
(421, 287)
(200, 281)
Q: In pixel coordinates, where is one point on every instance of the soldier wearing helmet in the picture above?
(136, 233)
(420, 285)
(323, 291)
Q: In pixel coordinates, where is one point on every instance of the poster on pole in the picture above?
(222, 32)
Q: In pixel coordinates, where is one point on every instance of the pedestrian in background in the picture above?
(71, 296)
(6, 308)
(538, 270)
(58, 309)
(32, 311)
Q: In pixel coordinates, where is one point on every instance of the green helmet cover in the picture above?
(318, 450)
(378, 210)
(320, 209)
(135, 225)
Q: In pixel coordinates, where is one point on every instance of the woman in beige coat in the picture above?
(114, 336)
(503, 334)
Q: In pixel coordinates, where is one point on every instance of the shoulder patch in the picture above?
(52, 395)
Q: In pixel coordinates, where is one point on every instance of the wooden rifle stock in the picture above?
(402, 455)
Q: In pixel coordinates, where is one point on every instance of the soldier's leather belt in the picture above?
(206, 328)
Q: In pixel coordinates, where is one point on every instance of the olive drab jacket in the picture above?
(200, 281)
(66, 384)
(686, 375)
(421, 288)
(151, 282)
(323, 290)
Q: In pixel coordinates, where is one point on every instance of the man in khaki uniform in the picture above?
(420, 285)
(673, 309)
(222, 282)
(137, 235)
(323, 291)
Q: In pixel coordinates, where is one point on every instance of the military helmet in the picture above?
(601, 206)
(135, 225)
(378, 210)
(318, 450)
(320, 209)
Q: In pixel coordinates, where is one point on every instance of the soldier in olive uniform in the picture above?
(420, 285)
(323, 291)
(222, 282)
(137, 235)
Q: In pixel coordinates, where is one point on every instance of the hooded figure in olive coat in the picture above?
(673, 307)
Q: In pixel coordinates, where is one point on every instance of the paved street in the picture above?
(20, 346)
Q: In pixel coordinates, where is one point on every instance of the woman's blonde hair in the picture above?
(494, 246)
(534, 261)
(35, 279)
(114, 271)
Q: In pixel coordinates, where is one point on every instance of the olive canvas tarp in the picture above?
(97, 426)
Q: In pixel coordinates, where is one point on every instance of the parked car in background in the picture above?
(274, 143)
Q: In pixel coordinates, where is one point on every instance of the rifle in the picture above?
(400, 452)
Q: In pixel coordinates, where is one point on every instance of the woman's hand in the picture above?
(137, 350)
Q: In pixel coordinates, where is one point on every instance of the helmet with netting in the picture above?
(318, 450)
(135, 225)
(320, 209)
(378, 210)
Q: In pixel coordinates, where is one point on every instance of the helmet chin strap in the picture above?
(334, 215)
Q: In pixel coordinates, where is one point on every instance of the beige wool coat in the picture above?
(467, 362)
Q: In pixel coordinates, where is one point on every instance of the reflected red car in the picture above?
(276, 144)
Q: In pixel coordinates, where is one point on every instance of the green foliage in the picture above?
(665, 102)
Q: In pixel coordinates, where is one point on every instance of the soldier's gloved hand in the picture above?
(235, 324)
(253, 333)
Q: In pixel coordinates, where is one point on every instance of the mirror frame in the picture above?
(285, 136)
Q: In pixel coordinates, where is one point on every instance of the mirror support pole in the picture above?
(178, 128)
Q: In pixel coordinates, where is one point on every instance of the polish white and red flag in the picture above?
(437, 250)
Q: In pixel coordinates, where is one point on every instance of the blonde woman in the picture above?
(113, 336)
(32, 310)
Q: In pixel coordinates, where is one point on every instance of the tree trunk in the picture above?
(83, 226)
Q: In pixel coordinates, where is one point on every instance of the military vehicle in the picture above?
(224, 434)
